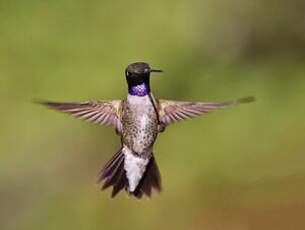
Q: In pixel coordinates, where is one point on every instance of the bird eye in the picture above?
(146, 70)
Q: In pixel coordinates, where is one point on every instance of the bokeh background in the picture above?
(241, 168)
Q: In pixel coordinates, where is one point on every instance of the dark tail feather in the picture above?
(151, 179)
(110, 166)
(113, 174)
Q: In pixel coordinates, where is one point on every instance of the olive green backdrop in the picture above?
(237, 169)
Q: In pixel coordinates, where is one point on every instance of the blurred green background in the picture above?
(236, 169)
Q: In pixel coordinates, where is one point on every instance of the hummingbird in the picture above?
(137, 119)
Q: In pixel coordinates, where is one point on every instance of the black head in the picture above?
(138, 73)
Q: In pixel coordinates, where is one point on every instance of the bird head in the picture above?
(138, 73)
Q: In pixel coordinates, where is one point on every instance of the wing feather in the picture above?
(173, 111)
(98, 112)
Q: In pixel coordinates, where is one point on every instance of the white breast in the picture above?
(137, 100)
(143, 108)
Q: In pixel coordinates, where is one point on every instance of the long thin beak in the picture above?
(156, 71)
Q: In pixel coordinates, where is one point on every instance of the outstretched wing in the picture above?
(98, 112)
(172, 111)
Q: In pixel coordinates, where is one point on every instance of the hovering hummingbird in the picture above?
(137, 119)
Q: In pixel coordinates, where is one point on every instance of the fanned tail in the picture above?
(114, 174)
